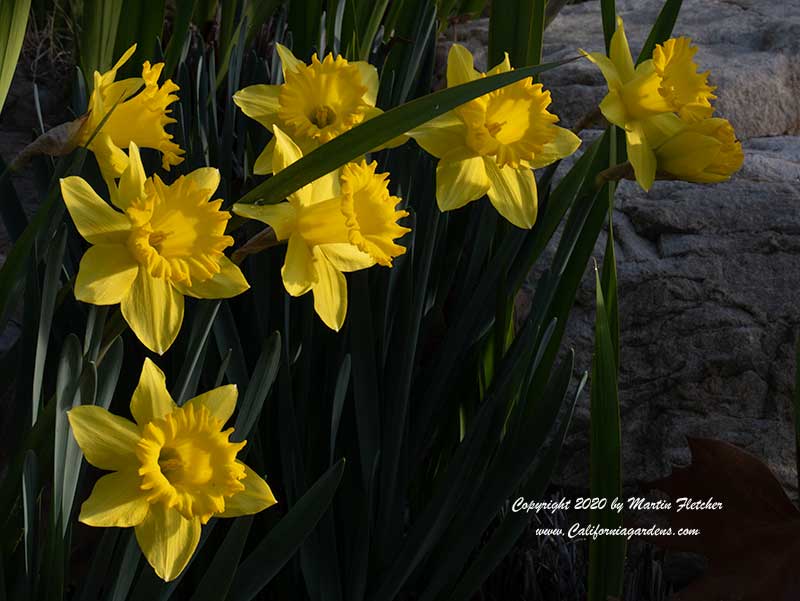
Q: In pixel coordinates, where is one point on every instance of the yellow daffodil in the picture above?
(704, 152)
(138, 118)
(173, 469)
(316, 103)
(490, 145)
(342, 222)
(653, 90)
(166, 242)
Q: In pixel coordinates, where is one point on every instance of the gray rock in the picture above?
(708, 280)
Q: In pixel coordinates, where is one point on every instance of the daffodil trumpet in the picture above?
(491, 145)
(173, 469)
(316, 102)
(140, 115)
(342, 222)
(157, 244)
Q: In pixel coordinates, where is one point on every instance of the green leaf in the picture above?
(30, 491)
(142, 25)
(339, 394)
(126, 571)
(368, 35)
(13, 270)
(13, 24)
(98, 33)
(201, 327)
(67, 382)
(181, 36)
(264, 373)
(11, 210)
(662, 28)
(608, 12)
(218, 576)
(516, 27)
(381, 129)
(606, 553)
(285, 538)
(50, 288)
(504, 538)
(98, 569)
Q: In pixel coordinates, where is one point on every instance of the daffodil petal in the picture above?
(346, 257)
(116, 501)
(289, 61)
(563, 145)
(441, 135)
(607, 68)
(298, 271)
(513, 193)
(280, 217)
(503, 66)
(255, 497)
(641, 156)
(131, 184)
(330, 292)
(260, 102)
(460, 66)
(107, 441)
(168, 540)
(205, 178)
(111, 159)
(151, 399)
(105, 275)
(287, 152)
(229, 282)
(621, 53)
(326, 187)
(460, 182)
(95, 219)
(369, 78)
(613, 108)
(263, 164)
(154, 311)
(220, 401)
(660, 128)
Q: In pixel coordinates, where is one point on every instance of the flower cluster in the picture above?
(664, 106)
(154, 243)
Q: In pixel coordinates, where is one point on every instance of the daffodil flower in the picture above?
(703, 152)
(316, 103)
(166, 241)
(173, 469)
(638, 97)
(490, 145)
(138, 118)
(342, 222)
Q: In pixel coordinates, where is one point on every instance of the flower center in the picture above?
(177, 234)
(323, 116)
(322, 100)
(511, 124)
(188, 463)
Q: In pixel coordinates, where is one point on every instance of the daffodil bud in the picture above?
(704, 152)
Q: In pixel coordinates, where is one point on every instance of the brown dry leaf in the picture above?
(58, 141)
(752, 544)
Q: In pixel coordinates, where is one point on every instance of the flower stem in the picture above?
(263, 240)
